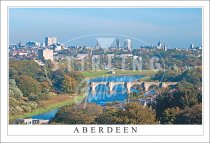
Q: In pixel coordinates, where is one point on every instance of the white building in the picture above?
(45, 54)
(165, 48)
(58, 47)
(96, 56)
(50, 41)
(126, 55)
(82, 56)
(128, 45)
(192, 46)
(110, 55)
(159, 46)
(31, 121)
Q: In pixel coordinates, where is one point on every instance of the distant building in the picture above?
(117, 43)
(42, 44)
(96, 56)
(165, 48)
(192, 46)
(82, 56)
(22, 53)
(159, 46)
(13, 46)
(111, 72)
(45, 54)
(98, 45)
(19, 44)
(126, 55)
(50, 41)
(110, 55)
(31, 121)
(128, 45)
(199, 47)
(32, 44)
(57, 47)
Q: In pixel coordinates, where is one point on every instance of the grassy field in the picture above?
(101, 73)
(53, 103)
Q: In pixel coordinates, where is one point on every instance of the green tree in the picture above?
(132, 114)
(78, 114)
(57, 78)
(46, 87)
(191, 115)
(108, 116)
(28, 85)
(169, 115)
(18, 104)
(14, 91)
(183, 95)
(193, 76)
(188, 93)
(25, 67)
(169, 75)
(68, 85)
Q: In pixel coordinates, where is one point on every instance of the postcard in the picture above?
(75, 71)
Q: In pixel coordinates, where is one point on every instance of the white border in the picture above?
(148, 133)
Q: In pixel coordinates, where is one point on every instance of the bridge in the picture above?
(128, 85)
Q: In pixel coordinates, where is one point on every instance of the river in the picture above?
(46, 116)
(102, 94)
(119, 94)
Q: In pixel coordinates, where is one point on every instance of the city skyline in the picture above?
(177, 27)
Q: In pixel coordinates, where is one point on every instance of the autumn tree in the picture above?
(183, 95)
(26, 67)
(169, 115)
(108, 116)
(78, 114)
(14, 91)
(134, 113)
(191, 115)
(68, 84)
(28, 85)
(57, 77)
(18, 104)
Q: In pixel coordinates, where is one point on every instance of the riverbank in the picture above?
(101, 73)
(50, 106)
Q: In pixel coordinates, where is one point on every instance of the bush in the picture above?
(28, 85)
(190, 115)
(133, 113)
(78, 114)
(33, 97)
(169, 115)
(14, 91)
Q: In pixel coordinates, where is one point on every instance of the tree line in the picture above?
(179, 104)
(30, 83)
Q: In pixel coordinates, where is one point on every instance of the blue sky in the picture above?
(177, 27)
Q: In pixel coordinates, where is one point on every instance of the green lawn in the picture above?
(101, 73)
(48, 108)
